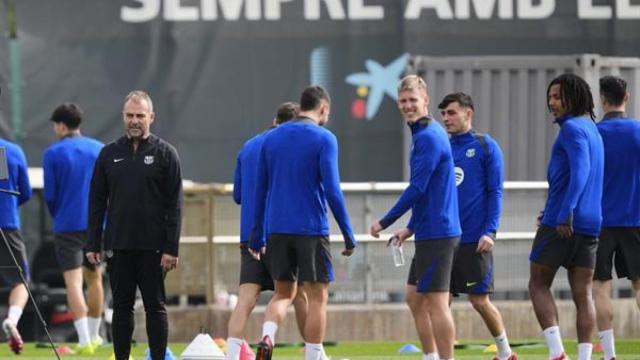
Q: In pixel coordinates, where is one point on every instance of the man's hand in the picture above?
(375, 230)
(256, 254)
(564, 230)
(539, 218)
(348, 252)
(485, 244)
(402, 235)
(168, 262)
(94, 257)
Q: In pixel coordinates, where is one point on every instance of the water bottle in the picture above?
(396, 251)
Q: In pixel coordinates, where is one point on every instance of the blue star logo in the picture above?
(380, 80)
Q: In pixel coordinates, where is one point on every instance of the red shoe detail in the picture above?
(265, 349)
(13, 337)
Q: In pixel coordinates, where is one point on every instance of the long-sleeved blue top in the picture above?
(18, 181)
(68, 167)
(431, 194)
(621, 191)
(479, 179)
(575, 177)
(297, 176)
(244, 183)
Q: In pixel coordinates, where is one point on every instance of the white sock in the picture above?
(94, 327)
(234, 345)
(269, 328)
(82, 328)
(15, 312)
(554, 341)
(584, 351)
(608, 343)
(502, 343)
(430, 356)
(313, 351)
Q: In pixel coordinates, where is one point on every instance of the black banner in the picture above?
(217, 69)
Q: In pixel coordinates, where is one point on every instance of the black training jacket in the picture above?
(141, 195)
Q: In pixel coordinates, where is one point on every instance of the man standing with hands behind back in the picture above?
(137, 184)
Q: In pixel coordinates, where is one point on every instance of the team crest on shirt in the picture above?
(459, 173)
(148, 159)
(471, 153)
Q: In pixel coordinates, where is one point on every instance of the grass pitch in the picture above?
(628, 349)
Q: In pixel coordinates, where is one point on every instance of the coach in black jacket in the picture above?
(137, 185)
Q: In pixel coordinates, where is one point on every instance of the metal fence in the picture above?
(509, 93)
(369, 275)
(210, 259)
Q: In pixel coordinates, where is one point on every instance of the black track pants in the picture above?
(128, 270)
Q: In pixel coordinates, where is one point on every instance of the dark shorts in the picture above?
(431, 265)
(254, 271)
(69, 247)
(552, 250)
(618, 247)
(299, 257)
(8, 272)
(472, 271)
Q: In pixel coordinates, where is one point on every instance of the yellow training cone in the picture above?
(491, 349)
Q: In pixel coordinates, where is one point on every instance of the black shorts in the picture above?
(552, 250)
(431, 265)
(69, 247)
(618, 247)
(8, 272)
(472, 271)
(254, 271)
(300, 257)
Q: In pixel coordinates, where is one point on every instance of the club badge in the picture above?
(471, 153)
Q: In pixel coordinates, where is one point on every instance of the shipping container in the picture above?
(509, 94)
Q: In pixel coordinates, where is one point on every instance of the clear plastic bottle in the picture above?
(396, 251)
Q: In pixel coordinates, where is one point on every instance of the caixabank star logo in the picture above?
(373, 85)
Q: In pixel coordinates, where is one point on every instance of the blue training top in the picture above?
(431, 193)
(244, 183)
(621, 191)
(297, 176)
(18, 181)
(479, 177)
(575, 177)
(68, 167)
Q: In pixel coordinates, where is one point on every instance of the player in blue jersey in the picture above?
(10, 223)
(570, 223)
(297, 177)
(68, 167)
(432, 198)
(479, 177)
(620, 235)
(254, 274)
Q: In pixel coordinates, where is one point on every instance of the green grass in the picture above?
(626, 350)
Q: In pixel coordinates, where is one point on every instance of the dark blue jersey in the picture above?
(479, 177)
(621, 191)
(431, 194)
(297, 177)
(68, 167)
(244, 183)
(18, 181)
(575, 176)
